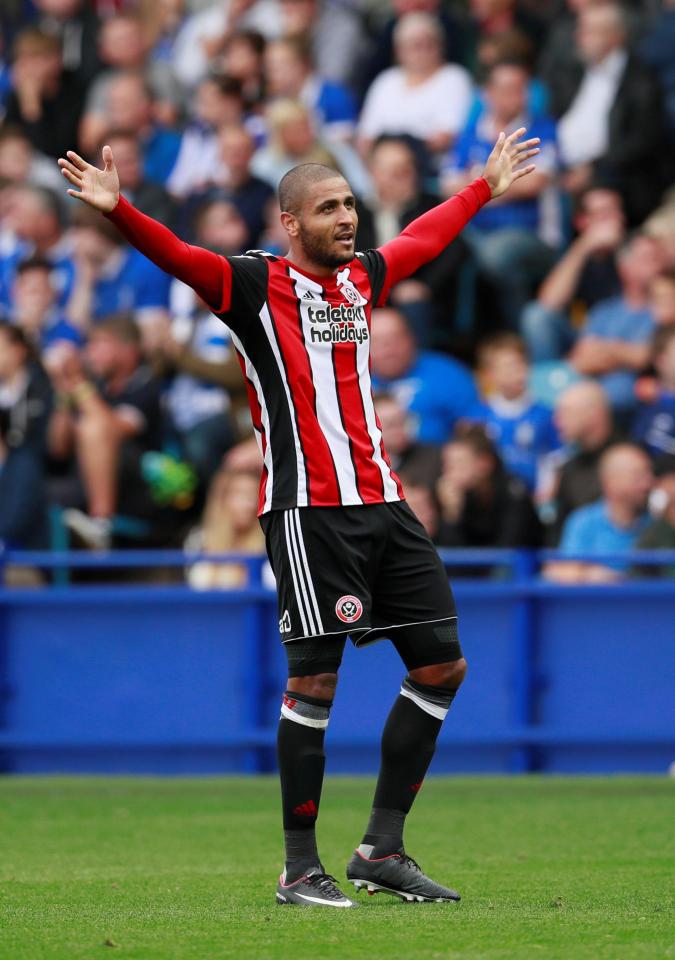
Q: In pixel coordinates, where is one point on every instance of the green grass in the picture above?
(185, 869)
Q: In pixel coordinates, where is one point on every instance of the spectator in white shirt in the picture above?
(423, 96)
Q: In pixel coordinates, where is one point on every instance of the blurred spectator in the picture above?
(20, 164)
(422, 501)
(124, 45)
(25, 393)
(481, 504)
(493, 19)
(336, 34)
(233, 181)
(230, 524)
(612, 524)
(221, 227)
(75, 24)
(419, 462)
(290, 72)
(654, 422)
(521, 429)
(430, 297)
(243, 61)
(145, 194)
(293, 140)
(583, 418)
(660, 534)
(23, 519)
(107, 415)
(35, 310)
(662, 298)
(423, 96)
(46, 100)
(514, 237)
(217, 101)
(435, 390)
(109, 276)
(597, 104)
(34, 223)
(128, 105)
(163, 20)
(614, 343)
(382, 54)
(585, 274)
(656, 49)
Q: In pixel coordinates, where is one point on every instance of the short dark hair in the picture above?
(121, 326)
(474, 436)
(501, 341)
(34, 263)
(294, 183)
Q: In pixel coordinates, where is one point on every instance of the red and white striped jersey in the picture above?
(304, 345)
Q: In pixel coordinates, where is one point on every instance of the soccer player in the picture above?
(349, 556)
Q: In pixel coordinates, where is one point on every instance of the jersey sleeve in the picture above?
(209, 274)
(375, 266)
(427, 236)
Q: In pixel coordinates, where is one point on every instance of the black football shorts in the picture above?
(354, 570)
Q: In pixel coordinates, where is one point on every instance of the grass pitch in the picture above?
(186, 870)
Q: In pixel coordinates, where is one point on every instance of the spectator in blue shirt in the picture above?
(111, 277)
(515, 238)
(654, 423)
(435, 389)
(614, 345)
(35, 309)
(521, 429)
(612, 524)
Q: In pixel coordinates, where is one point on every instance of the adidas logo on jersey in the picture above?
(308, 296)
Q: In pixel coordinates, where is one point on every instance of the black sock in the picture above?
(408, 744)
(302, 729)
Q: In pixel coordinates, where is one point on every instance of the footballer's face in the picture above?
(325, 225)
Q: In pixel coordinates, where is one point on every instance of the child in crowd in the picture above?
(521, 429)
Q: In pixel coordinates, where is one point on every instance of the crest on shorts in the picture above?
(348, 608)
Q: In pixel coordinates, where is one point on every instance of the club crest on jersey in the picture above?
(348, 608)
(348, 290)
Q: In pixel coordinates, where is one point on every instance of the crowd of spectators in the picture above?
(525, 379)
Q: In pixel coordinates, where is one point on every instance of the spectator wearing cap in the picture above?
(46, 101)
(107, 415)
(611, 525)
(110, 276)
(23, 519)
(435, 390)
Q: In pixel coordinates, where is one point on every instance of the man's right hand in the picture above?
(99, 188)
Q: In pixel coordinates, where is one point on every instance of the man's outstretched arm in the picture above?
(206, 272)
(427, 236)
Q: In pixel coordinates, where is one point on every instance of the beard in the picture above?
(319, 250)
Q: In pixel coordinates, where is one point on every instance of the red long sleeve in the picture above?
(427, 236)
(209, 274)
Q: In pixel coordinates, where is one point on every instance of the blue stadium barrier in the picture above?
(109, 677)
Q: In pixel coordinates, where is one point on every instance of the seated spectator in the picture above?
(109, 276)
(229, 525)
(654, 422)
(521, 429)
(423, 96)
(220, 226)
(597, 104)
(232, 180)
(107, 416)
(23, 519)
(75, 24)
(337, 35)
(585, 274)
(46, 100)
(290, 73)
(35, 227)
(436, 390)
(293, 140)
(35, 308)
(429, 299)
(614, 343)
(481, 504)
(419, 462)
(148, 196)
(583, 418)
(22, 165)
(25, 393)
(513, 239)
(129, 105)
(660, 533)
(217, 101)
(243, 62)
(123, 44)
(422, 501)
(612, 524)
